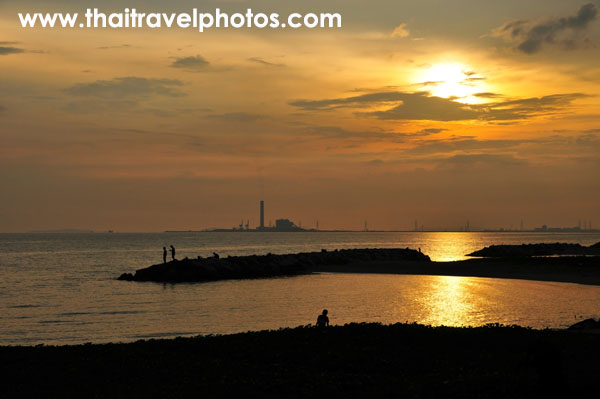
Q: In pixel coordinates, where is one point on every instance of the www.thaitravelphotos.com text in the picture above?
(132, 19)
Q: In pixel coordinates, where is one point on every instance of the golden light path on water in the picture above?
(473, 301)
(449, 301)
(445, 247)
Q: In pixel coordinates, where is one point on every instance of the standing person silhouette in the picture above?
(164, 254)
(173, 252)
(323, 320)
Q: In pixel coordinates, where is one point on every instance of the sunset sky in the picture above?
(436, 110)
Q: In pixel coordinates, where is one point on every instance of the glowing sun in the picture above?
(452, 80)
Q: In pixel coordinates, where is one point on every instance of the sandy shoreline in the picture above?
(579, 270)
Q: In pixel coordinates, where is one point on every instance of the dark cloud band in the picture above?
(423, 106)
(565, 31)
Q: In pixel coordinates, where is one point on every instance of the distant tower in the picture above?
(521, 224)
(317, 224)
(366, 226)
(468, 227)
(262, 214)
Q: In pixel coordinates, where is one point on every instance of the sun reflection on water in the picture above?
(448, 247)
(450, 301)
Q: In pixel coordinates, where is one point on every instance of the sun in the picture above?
(452, 80)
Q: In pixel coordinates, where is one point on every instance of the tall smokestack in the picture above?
(262, 214)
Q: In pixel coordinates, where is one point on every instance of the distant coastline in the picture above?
(62, 231)
(234, 230)
(312, 230)
(285, 225)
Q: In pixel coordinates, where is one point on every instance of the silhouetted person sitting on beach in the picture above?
(164, 254)
(216, 255)
(323, 320)
(173, 252)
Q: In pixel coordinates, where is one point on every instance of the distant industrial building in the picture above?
(286, 225)
(262, 215)
(281, 225)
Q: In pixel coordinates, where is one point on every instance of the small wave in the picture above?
(54, 321)
(163, 335)
(115, 312)
(23, 306)
(69, 314)
(16, 318)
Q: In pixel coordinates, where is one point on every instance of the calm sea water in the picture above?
(62, 288)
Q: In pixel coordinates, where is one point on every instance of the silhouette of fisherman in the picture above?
(323, 320)
(164, 254)
(172, 252)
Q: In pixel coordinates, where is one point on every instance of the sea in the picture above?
(62, 288)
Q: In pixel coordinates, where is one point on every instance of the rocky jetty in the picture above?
(546, 249)
(262, 266)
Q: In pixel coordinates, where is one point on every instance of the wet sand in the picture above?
(572, 269)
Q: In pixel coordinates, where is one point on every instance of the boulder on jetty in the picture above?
(501, 251)
(263, 266)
